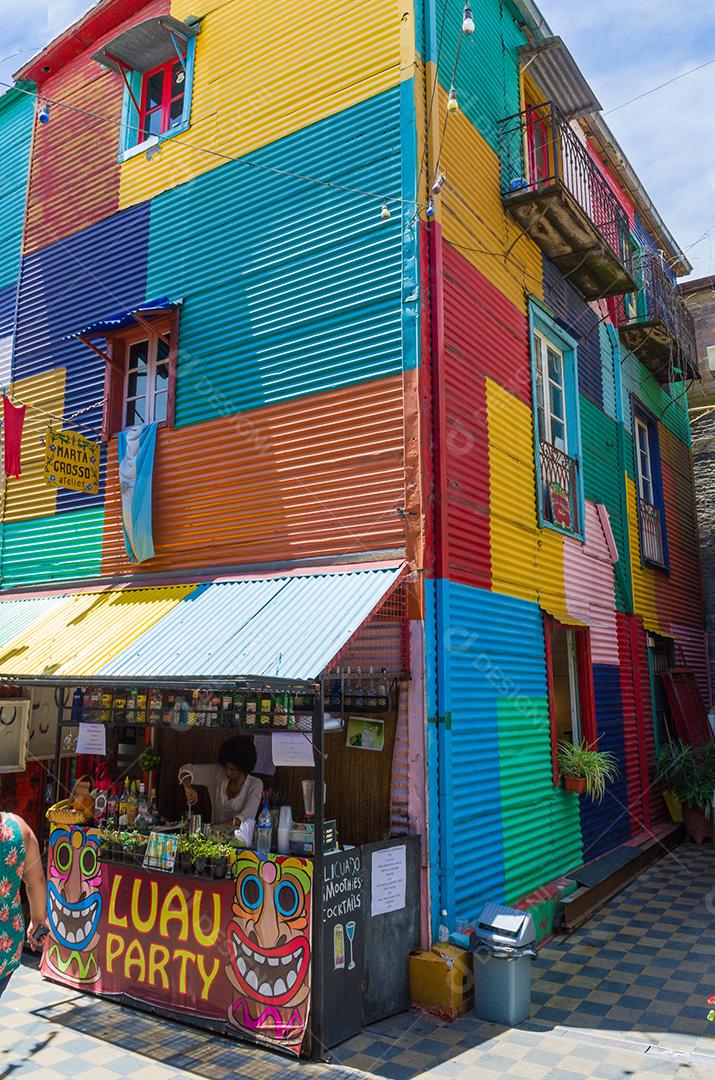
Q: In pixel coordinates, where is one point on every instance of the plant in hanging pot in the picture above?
(688, 772)
(586, 770)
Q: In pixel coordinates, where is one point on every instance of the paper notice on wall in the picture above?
(292, 748)
(92, 739)
(389, 879)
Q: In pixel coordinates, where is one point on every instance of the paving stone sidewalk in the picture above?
(624, 997)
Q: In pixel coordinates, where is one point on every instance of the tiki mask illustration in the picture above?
(269, 948)
(74, 904)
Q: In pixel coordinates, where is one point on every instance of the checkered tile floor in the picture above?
(624, 997)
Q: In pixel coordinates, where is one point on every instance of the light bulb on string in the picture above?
(430, 211)
(43, 112)
(452, 103)
(467, 20)
(385, 212)
(439, 183)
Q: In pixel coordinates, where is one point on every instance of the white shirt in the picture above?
(245, 805)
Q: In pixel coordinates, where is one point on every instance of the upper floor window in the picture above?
(556, 424)
(155, 60)
(140, 379)
(651, 506)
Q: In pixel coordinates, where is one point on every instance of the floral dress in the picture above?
(12, 924)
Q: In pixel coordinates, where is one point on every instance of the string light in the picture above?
(385, 212)
(452, 103)
(439, 183)
(43, 113)
(467, 20)
(430, 211)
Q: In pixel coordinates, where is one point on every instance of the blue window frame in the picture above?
(139, 105)
(649, 488)
(557, 427)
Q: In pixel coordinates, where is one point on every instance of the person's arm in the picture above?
(34, 878)
(189, 775)
(253, 799)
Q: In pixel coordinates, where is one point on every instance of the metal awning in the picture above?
(145, 46)
(110, 324)
(280, 627)
(557, 73)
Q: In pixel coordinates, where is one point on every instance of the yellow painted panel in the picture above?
(527, 561)
(263, 71)
(472, 215)
(643, 583)
(88, 630)
(28, 495)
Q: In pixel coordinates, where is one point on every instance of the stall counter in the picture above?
(234, 954)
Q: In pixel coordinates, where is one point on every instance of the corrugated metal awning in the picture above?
(557, 73)
(288, 626)
(283, 627)
(123, 319)
(145, 46)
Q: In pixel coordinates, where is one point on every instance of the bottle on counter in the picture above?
(123, 802)
(264, 832)
(443, 929)
(133, 804)
(112, 809)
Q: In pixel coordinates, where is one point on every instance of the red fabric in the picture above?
(14, 418)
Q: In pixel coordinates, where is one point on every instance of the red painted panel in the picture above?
(638, 735)
(613, 185)
(74, 171)
(686, 706)
(679, 597)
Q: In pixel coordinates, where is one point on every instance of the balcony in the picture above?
(651, 534)
(555, 191)
(559, 487)
(655, 324)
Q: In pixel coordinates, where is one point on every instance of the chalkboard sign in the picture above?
(344, 915)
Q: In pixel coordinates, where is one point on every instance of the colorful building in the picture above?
(393, 295)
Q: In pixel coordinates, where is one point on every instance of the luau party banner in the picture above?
(71, 461)
(234, 951)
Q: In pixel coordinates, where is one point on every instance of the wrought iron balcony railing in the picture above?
(651, 533)
(655, 323)
(554, 188)
(559, 487)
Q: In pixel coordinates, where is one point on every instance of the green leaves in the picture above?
(596, 767)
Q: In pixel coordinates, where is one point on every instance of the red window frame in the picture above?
(164, 324)
(587, 700)
(166, 99)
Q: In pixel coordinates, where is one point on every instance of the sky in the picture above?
(623, 50)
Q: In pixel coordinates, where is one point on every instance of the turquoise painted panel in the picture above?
(16, 120)
(608, 375)
(487, 72)
(668, 404)
(58, 548)
(290, 288)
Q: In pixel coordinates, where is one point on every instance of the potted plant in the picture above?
(184, 857)
(688, 772)
(586, 770)
(201, 853)
(134, 846)
(220, 857)
(110, 846)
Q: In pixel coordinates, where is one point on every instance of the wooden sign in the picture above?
(71, 461)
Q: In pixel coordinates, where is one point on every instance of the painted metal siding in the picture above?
(17, 110)
(602, 477)
(590, 588)
(55, 548)
(303, 292)
(8, 297)
(306, 479)
(581, 322)
(17, 615)
(668, 403)
(335, 60)
(606, 824)
(74, 175)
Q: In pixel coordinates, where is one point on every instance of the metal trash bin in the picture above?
(502, 947)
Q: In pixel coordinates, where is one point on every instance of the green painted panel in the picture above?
(487, 72)
(289, 288)
(57, 548)
(602, 477)
(668, 403)
(16, 119)
(541, 826)
(608, 379)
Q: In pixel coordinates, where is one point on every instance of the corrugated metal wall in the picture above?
(17, 110)
(606, 824)
(581, 322)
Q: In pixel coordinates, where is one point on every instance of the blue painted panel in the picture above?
(607, 824)
(577, 318)
(648, 244)
(66, 286)
(302, 291)
(7, 326)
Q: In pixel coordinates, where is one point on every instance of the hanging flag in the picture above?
(136, 467)
(71, 461)
(13, 420)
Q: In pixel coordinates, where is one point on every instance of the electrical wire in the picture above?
(660, 86)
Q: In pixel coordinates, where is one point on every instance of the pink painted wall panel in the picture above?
(590, 591)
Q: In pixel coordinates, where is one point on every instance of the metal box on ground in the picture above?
(502, 955)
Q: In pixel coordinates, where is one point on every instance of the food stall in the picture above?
(260, 945)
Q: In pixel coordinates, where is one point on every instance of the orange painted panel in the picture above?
(74, 172)
(310, 478)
